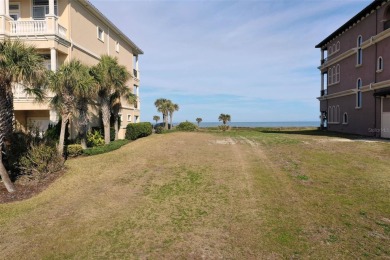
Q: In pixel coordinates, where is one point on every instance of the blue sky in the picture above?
(254, 60)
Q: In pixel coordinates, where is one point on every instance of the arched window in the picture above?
(386, 19)
(338, 46)
(330, 115)
(334, 47)
(379, 66)
(345, 118)
(337, 117)
(359, 93)
(330, 76)
(359, 54)
(338, 73)
(334, 78)
(334, 118)
(330, 50)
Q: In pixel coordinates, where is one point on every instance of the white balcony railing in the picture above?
(34, 27)
(28, 27)
(20, 93)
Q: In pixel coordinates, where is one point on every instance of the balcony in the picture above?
(20, 94)
(35, 28)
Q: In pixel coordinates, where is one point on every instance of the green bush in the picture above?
(94, 138)
(112, 133)
(74, 150)
(106, 148)
(224, 127)
(186, 126)
(39, 161)
(159, 130)
(138, 130)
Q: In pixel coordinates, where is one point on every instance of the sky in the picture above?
(252, 59)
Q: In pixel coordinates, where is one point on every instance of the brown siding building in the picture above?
(355, 74)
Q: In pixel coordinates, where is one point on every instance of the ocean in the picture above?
(263, 124)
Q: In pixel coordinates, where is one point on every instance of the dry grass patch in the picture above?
(242, 194)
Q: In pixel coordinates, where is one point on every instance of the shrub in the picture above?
(224, 127)
(106, 148)
(39, 161)
(186, 126)
(94, 138)
(159, 130)
(74, 150)
(112, 133)
(138, 130)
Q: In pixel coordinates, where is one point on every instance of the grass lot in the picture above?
(240, 194)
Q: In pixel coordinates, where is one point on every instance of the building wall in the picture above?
(364, 120)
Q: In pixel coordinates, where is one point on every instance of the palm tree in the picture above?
(162, 106)
(199, 120)
(156, 118)
(111, 81)
(73, 88)
(224, 118)
(18, 63)
(171, 109)
(116, 104)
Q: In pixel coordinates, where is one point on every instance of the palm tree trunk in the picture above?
(4, 176)
(83, 122)
(105, 106)
(166, 121)
(116, 126)
(65, 119)
(171, 117)
(6, 128)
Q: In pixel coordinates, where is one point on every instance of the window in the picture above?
(334, 75)
(120, 117)
(41, 9)
(334, 80)
(359, 93)
(117, 46)
(128, 118)
(386, 19)
(330, 76)
(337, 116)
(100, 34)
(14, 11)
(359, 54)
(136, 119)
(338, 46)
(345, 119)
(330, 115)
(379, 66)
(330, 50)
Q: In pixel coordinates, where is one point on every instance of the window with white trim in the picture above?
(337, 114)
(330, 76)
(330, 51)
(40, 9)
(379, 66)
(345, 118)
(338, 73)
(337, 46)
(100, 34)
(359, 93)
(359, 54)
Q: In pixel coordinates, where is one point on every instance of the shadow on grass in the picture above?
(311, 132)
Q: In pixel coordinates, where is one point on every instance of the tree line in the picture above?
(75, 86)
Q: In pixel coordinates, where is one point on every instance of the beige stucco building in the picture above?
(62, 30)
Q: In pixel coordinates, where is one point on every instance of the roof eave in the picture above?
(112, 26)
(361, 14)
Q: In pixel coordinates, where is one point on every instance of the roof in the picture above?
(112, 26)
(356, 18)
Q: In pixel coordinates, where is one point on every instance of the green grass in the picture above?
(241, 194)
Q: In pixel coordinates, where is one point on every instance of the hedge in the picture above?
(114, 145)
(138, 130)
